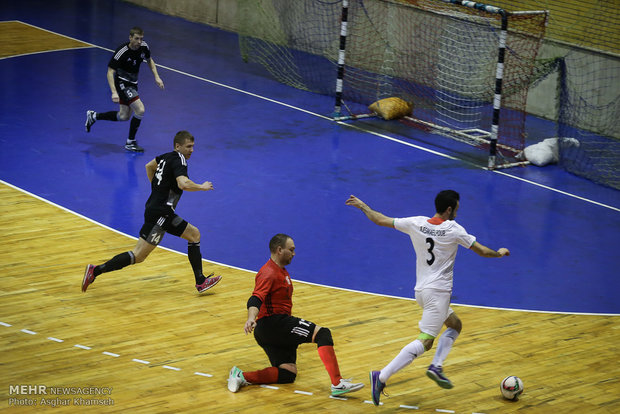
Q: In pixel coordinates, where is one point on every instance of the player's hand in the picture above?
(207, 185)
(159, 83)
(503, 252)
(355, 202)
(249, 326)
(115, 97)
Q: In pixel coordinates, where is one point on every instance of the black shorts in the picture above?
(156, 225)
(280, 335)
(127, 92)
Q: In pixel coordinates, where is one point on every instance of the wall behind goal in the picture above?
(218, 13)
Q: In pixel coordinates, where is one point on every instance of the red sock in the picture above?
(264, 376)
(328, 356)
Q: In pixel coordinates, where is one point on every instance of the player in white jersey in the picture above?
(435, 241)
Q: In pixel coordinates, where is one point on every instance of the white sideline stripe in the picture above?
(5, 324)
(410, 407)
(82, 346)
(110, 354)
(209, 375)
(370, 402)
(386, 137)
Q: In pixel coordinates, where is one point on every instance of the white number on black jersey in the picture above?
(159, 173)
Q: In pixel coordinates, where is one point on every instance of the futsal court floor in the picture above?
(279, 164)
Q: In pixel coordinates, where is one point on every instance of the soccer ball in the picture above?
(511, 387)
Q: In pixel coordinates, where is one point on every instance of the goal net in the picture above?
(465, 69)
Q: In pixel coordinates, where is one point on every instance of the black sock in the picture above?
(107, 116)
(133, 128)
(116, 263)
(195, 259)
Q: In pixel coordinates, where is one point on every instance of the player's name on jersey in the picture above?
(432, 232)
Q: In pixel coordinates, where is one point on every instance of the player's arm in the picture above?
(186, 184)
(484, 251)
(153, 67)
(374, 216)
(254, 304)
(151, 167)
(110, 76)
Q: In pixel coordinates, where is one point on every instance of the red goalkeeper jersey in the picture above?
(274, 288)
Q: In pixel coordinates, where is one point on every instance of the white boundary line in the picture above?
(300, 392)
(384, 136)
(298, 281)
(82, 347)
(112, 354)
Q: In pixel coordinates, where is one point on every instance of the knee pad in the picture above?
(285, 376)
(324, 337)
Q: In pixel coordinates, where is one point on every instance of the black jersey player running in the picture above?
(168, 176)
(122, 77)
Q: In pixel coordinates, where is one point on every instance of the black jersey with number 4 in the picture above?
(165, 193)
(126, 62)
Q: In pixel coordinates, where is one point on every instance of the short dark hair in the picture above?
(181, 137)
(445, 199)
(136, 30)
(279, 240)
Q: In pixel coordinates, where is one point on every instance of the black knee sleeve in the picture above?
(285, 376)
(324, 337)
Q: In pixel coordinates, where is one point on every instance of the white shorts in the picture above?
(436, 309)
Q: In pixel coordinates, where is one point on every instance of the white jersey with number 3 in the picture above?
(435, 243)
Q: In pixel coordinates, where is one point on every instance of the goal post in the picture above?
(458, 54)
(466, 67)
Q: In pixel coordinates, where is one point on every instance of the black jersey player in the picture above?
(123, 70)
(168, 176)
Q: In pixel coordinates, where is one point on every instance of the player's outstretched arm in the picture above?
(186, 184)
(484, 251)
(374, 216)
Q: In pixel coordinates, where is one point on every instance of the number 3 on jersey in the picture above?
(159, 173)
(431, 244)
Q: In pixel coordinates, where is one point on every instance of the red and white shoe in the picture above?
(89, 277)
(208, 283)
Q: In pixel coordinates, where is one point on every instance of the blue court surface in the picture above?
(280, 164)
